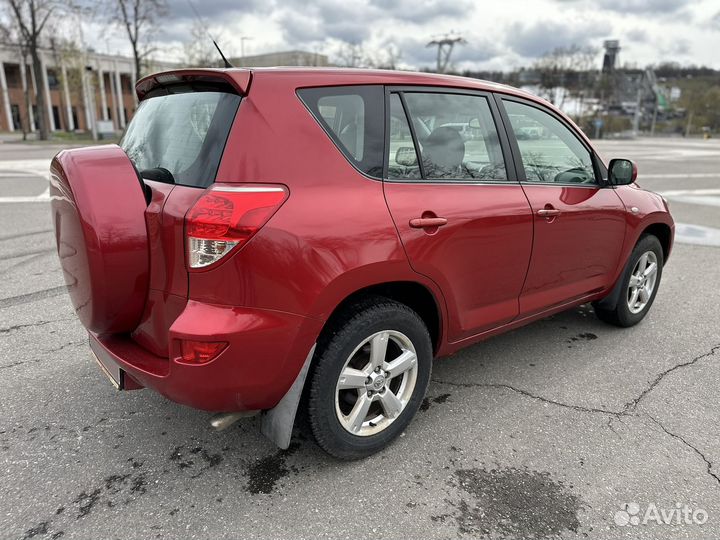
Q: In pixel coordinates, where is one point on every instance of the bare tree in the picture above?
(352, 55)
(564, 67)
(199, 50)
(389, 57)
(139, 18)
(31, 16)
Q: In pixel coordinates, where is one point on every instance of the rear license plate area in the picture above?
(111, 370)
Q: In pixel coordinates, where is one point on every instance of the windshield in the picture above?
(182, 133)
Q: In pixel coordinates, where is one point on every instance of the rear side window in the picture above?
(182, 133)
(353, 118)
(456, 136)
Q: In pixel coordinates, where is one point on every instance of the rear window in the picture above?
(353, 117)
(182, 133)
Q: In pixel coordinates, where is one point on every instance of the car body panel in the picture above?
(577, 252)
(479, 258)
(494, 267)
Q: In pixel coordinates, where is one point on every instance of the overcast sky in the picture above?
(501, 34)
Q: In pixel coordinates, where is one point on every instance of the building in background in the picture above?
(83, 89)
(283, 58)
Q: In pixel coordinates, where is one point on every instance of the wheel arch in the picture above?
(663, 233)
(413, 294)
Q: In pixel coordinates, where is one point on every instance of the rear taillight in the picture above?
(227, 216)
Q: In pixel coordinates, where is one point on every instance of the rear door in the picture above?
(175, 140)
(579, 223)
(463, 219)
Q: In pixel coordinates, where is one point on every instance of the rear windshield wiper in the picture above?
(159, 174)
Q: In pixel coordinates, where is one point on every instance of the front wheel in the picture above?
(638, 285)
(372, 371)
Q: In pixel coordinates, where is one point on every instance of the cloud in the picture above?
(715, 21)
(677, 47)
(214, 10)
(500, 35)
(422, 11)
(643, 7)
(637, 35)
(536, 39)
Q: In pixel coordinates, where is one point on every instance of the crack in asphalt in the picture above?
(632, 404)
(29, 325)
(47, 351)
(23, 235)
(25, 253)
(12, 301)
(25, 262)
(525, 393)
(626, 410)
(680, 438)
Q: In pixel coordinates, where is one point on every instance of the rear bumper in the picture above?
(265, 353)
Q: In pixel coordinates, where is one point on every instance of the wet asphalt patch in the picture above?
(513, 503)
(428, 401)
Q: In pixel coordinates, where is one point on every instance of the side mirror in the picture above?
(474, 123)
(406, 156)
(622, 172)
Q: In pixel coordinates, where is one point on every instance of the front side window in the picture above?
(550, 152)
(456, 136)
(353, 118)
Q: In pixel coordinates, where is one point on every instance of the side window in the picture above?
(402, 158)
(353, 118)
(457, 136)
(550, 152)
(345, 116)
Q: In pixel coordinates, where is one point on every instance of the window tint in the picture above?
(457, 136)
(402, 158)
(353, 117)
(550, 152)
(183, 133)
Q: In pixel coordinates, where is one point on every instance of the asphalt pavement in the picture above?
(566, 428)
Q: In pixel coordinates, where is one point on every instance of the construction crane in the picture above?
(445, 45)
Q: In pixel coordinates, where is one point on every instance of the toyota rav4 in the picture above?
(280, 240)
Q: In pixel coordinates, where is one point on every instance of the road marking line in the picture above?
(680, 175)
(18, 174)
(686, 233)
(684, 192)
(43, 197)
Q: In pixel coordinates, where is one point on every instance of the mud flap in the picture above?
(277, 423)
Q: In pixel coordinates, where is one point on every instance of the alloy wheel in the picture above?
(642, 282)
(376, 383)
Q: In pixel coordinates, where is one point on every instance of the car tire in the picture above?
(387, 343)
(630, 306)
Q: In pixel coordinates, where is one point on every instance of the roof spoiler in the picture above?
(237, 78)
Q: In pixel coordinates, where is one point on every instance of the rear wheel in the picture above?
(371, 375)
(637, 286)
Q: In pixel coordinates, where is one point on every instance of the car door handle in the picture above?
(424, 223)
(548, 212)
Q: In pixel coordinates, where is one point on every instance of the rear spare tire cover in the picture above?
(98, 210)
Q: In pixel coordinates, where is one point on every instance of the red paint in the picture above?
(489, 259)
(102, 245)
(488, 233)
(576, 249)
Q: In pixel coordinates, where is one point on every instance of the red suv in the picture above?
(310, 239)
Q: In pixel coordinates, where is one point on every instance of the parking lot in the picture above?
(548, 431)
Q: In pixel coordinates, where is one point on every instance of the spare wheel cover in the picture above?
(98, 210)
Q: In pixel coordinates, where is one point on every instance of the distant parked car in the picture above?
(260, 242)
